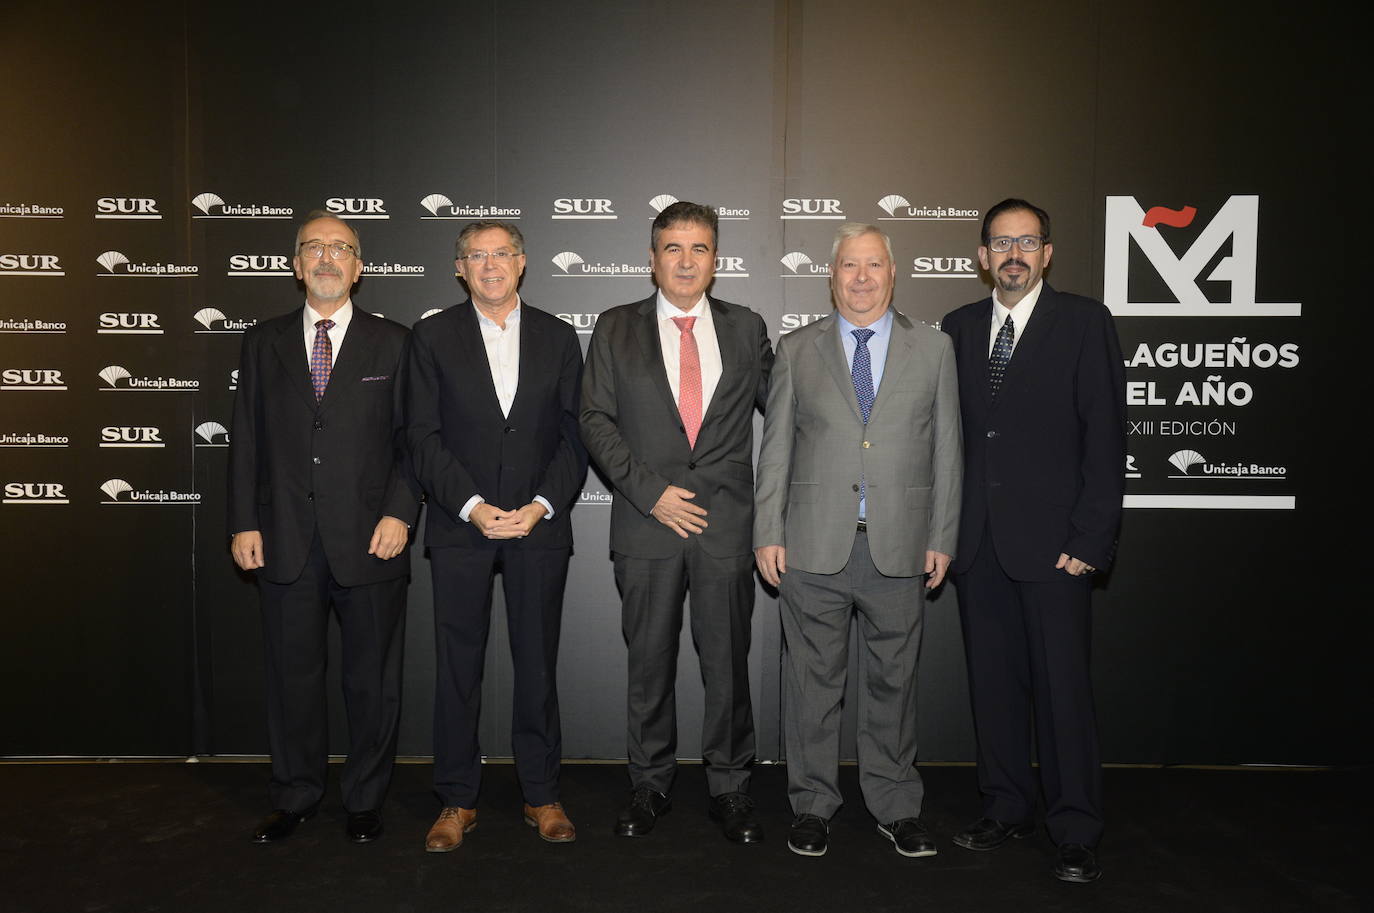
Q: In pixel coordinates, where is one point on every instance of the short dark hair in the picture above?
(315, 215)
(472, 228)
(685, 213)
(1015, 204)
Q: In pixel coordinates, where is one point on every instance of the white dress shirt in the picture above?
(1021, 313)
(342, 317)
(503, 358)
(708, 347)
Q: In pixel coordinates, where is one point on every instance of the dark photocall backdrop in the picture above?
(154, 161)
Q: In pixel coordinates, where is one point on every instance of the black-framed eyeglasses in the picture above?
(478, 257)
(338, 250)
(1028, 244)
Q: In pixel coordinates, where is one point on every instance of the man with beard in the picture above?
(1042, 390)
(320, 505)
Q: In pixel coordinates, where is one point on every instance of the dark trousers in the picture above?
(1028, 647)
(533, 582)
(295, 624)
(722, 593)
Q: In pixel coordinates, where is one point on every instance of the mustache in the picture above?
(326, 271)
(1020, 263)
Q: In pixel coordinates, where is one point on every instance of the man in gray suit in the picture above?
(668, 397)
(858, 498)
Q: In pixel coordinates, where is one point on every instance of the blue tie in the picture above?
(1001, 354)
(862, 372)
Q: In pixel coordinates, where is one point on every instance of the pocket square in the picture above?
(377, 377)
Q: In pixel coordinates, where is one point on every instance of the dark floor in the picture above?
(175, 837)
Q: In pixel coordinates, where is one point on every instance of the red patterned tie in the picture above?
(689, 379)
(321, 358)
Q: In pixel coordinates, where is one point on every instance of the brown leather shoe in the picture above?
(447, 832)
(552, 822)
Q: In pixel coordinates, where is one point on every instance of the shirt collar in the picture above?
(341, 317)
(880, 327)
(512, 319)
(1021, 312)
(668, 310)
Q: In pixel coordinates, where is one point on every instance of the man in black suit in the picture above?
(320, 503)
(1042, 392)
(668, 399)
(492, 425)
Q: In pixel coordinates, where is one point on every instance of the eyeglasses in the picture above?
(478, 257)
(338, 250)
(1028, 244)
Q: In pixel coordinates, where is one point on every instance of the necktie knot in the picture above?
(862, 335)
(684, 324)
(325, 325)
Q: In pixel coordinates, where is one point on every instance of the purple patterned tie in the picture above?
(321, 358)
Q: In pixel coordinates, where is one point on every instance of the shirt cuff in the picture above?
(466, 512)
(548, 508)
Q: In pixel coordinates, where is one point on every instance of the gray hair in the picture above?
(460, 246)
(848, 231)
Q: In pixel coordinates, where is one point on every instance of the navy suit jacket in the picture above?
(1044, 464)
(462, 445)
(296, 466)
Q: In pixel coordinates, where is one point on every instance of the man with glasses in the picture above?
(1042, 389)
(320, 504)
(492, 424)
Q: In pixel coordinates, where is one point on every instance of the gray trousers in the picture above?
(816, 614)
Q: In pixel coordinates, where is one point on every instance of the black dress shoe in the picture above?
(735, 814)
(641, 814)
(909, 836)
(364, 827)
(1077, 863)
(279, 825)
(989, 833)
(809, 836)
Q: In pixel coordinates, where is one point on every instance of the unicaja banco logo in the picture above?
(119, 493)
(212, 434)
(1183, 460)
(662, 201)
(800, 266)
(567, 259)
(1236, 223)
(208, 317)
(118, 266)
(899, 209)
(571, 265)
(119, 379)
(213, 206)
(441, 207)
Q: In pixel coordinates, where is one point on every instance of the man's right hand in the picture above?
(246, 547)
(675, 511)
(772, 563)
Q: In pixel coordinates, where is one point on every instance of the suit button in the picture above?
(691, 465)
(319, 426)
(867, 445)
(508, 429)
(315, 460)
(310, 497)
(855, 487)
(992, 435)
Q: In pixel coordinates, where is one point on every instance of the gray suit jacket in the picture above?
(816, 448)
(631, 428)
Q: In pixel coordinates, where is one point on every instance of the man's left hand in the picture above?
(937, 563)
(1074, 566)
(388, 539)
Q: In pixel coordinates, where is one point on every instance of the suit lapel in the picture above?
(290, 349)
(647, 332)
(899, 357)
(1040, 328)
(830, 350)
(472, 351)
(982, 327)
(732, 361)
(357, 343)
(531, 353)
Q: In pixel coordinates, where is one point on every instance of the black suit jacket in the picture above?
(631, 427)
(462, 445)
(295, 466)
(1045, 461)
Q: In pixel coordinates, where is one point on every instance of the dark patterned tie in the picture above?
(862, 372)
(1000, 355)
(321, 358)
